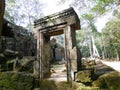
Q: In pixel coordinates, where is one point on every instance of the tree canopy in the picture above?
(111, 35)
(22, 12)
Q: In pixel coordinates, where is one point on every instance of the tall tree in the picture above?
(103, 6)
(31, 10)
(93, 34)
(13, 12)
(22, 12)
(2, 9)
(111, 35)
(82, 37)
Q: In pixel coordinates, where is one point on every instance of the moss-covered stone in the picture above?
(88, 63)
(6, 62)
(109, 81)
(84, 76)
(17, 81)
(48, 85)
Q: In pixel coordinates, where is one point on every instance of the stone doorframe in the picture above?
(65, 22)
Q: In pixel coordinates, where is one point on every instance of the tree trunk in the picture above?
(90, 48)
(2, 9)
(117, 55)
(95, 51)
(93, 48)
(104, 53)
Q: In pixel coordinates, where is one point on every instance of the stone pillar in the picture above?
(38, 64)
(43, 55)
(46, 56)
(68, 46)
(72, 54)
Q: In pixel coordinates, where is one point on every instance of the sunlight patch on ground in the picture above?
(59, 75)
(113, 64)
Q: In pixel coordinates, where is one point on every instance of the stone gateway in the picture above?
(65, 22)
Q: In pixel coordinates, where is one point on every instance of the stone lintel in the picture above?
(64, 17)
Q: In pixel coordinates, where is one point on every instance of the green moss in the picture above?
(84, 76)
(16, 81)
(6, 62)
(5, 75)
(48, 85)
(109, 81)
(65, 84)
(29, 79)
(15, 77)
(4, 83)
(88, 88)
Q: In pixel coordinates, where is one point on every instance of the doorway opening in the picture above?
(58, 63)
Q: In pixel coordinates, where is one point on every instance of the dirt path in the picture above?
(58, 73)
(60, 77)
(59, 70)
(113, 64)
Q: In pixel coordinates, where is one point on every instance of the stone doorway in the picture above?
(57, 46)
(65, 22)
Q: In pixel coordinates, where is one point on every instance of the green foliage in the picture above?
(82, 42)
(111, 36)
(102, 6)
(89, 17)
(22, 12)
(63, 1)
(116, 13)
(84, 76)
(16, 81)
(11, 12)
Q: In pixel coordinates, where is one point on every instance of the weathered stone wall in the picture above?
(59, 53)
(57, 50)
(18, 39)
(16, 42)
(24, 42)
(2, 9)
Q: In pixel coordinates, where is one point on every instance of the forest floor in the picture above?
(59, 70)
(59, 75)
